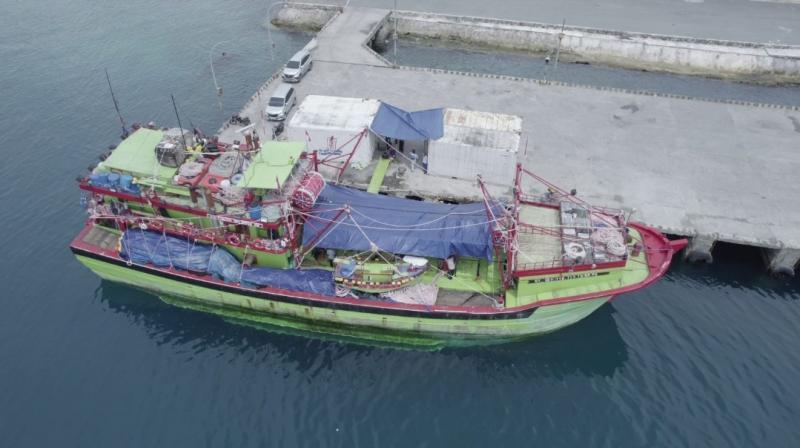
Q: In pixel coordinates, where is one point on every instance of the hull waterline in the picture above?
(359, 325)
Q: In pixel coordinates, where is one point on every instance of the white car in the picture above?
(297, 66)
(280, 103)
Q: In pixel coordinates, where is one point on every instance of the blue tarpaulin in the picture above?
(317, 281)
(393, 122)
(396, 225)
(143, 247)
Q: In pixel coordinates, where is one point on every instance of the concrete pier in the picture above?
(783, 261)
(689, 167)
(699, 249)
(749, 61)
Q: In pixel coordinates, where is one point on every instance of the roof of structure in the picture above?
(272, 165)
(482, 129)
(136, 155)
(333, 112)
(391, 121)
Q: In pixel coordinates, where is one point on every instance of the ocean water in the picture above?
(707, 357)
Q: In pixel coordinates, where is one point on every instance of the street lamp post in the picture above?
(217, 87)
(269, 26)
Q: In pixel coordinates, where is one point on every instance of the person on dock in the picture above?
(425, 164)
(413, 158)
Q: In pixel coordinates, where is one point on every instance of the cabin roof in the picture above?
(272, 165)
(137, 155)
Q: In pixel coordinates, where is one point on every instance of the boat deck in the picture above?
(534, 247)
(102, 237)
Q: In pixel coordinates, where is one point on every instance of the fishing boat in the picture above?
(258, 231)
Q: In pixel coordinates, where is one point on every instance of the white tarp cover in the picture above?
(475, 143)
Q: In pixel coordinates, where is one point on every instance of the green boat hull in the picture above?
(363, 326)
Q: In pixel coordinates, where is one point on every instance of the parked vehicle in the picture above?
(297, 66)
(280, 103)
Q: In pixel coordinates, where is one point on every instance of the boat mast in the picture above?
(180, 126)
(116, 106)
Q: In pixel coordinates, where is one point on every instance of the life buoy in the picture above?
(575, 251)
(616, 248)
(258, 245)
(234, 240)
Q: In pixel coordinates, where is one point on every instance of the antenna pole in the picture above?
(183, 136)
(116, 105)
(394, 32)
(560, 36)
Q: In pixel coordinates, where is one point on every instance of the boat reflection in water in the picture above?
(173, 322)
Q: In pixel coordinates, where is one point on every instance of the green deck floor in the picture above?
(378, 175)
(472, 275)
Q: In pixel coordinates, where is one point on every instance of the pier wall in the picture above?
(305, 16)
(770, 63)
(747, 61)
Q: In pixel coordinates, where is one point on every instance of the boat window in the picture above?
(293, 64)
(276, 101)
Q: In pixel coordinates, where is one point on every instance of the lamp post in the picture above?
(269, 26)
(217, 87)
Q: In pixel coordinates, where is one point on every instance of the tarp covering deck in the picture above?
(272, 165)
(391, 121)
(137, 155)
(396, 225)
(144, 247)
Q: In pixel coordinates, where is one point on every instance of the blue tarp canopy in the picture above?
(393, 122)
(395, 225)
(142, 247)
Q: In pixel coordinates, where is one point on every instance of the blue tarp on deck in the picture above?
(399, 226)
(143, 247)
(391, 121)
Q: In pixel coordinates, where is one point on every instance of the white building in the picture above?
(476, 143)
(331, 125)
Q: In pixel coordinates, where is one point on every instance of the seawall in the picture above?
(304, 16)
(744, 61)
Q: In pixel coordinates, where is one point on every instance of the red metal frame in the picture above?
(327, 160)
(320, 235)
(155, 202)
(197, 233)
(520, 198)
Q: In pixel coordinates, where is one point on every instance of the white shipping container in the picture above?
(476, 143)
(331, 125)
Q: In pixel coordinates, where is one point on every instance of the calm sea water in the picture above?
(707, 357)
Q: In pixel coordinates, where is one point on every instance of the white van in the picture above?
(280, 103)
(297, 66)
